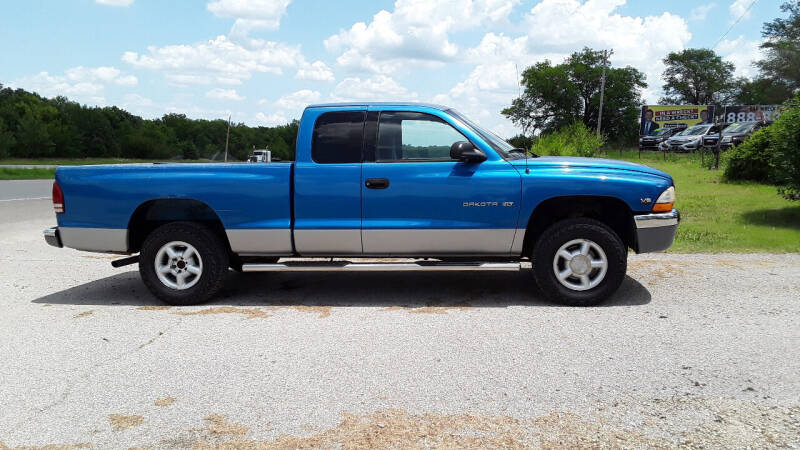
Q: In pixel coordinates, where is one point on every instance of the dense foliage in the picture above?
(35, 127)
(555, 96)
(575, 139)
(697, 76)
(772, 154)
(782, 47)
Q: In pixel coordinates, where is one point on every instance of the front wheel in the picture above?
(183, 263)
(579, 262)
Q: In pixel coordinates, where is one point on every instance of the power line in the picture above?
(734, 23)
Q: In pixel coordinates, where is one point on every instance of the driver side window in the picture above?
(412, 136)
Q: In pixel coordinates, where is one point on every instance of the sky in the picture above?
(263, 61)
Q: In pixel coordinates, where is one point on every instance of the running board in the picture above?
(315, 266)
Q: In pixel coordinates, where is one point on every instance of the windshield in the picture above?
(695, 130)
(737, 128)
(496, 142)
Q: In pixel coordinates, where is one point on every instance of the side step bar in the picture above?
(300, 266)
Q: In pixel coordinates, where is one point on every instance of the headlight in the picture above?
(665, 201)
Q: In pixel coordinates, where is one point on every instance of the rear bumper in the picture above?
(53, 237)
(656, 232)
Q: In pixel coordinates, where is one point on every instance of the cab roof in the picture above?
(368, 104)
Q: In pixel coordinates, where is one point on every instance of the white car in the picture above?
(689, 139)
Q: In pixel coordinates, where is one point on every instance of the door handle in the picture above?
(377, 183)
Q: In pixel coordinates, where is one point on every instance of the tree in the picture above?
(762, 91)
(782, 45)
(697, 76)
(558, 95)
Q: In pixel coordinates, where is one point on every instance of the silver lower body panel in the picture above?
(439, 242)
(104, 240)
(261, 241)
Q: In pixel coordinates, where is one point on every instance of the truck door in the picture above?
(418, 201)
(327, 183)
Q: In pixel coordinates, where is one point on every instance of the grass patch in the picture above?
(719, 216)
(26, 174)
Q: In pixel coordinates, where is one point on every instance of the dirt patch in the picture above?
(323, 311)
(251, 313)
(166, 401)
(218, 424)
(83, 314)
(122, 422)
(431, 307)
(154, 308)
(48, 447)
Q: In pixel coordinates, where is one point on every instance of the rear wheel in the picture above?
(183, 263)
(579, 262)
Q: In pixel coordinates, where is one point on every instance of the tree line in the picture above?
(556, 96)
(35, 127)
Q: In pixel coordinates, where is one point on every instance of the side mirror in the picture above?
(466, 152)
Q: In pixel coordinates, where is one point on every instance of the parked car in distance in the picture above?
(651, 141)
(373, 180)
(689, 139)
(734, 134)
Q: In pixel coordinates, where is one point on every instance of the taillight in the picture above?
(58, 198)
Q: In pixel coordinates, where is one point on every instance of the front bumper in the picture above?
(656, 232)
(53, 237)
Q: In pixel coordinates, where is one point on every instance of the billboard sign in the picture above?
(749, 113)
(657, 117)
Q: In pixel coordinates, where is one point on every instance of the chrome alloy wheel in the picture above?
(178, 265)
(580, 264)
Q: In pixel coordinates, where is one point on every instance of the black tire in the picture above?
(563, 232)
(210, 248)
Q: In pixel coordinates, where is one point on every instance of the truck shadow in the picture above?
(336, 289)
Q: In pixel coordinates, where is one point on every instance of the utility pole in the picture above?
(227, 138)
(606, 54)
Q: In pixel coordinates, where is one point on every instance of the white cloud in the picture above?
(85, 84)
(416, 32)
(271, 119)
(250, 14)
(553, 29)
(742, 53)
(224, 94)
(114, 2)
(700, 12)
(136, 101)
(740, 8)
(218, 60)
(378, 87)
(298, 100)
(317, 71)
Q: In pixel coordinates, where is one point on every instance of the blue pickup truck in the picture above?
(370, 181)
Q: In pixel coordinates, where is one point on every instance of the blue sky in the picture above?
(263, 60)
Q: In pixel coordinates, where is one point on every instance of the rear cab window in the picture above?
(338, 137)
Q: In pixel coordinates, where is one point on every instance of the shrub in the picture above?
(573, 140)
(752, 160)
(772, 154)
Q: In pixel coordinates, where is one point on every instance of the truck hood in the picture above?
(589, 163)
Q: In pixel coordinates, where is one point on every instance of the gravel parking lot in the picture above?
(694, 350)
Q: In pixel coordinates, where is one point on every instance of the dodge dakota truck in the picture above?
(370, 181)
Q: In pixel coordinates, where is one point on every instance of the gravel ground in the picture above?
(694, 350)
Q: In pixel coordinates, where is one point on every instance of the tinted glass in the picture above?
(338, 137)
(410, 136)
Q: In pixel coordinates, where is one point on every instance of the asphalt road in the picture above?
(18, 190)
(695, 350)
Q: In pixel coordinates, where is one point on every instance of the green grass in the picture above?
(26, 174)
(717, 216)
